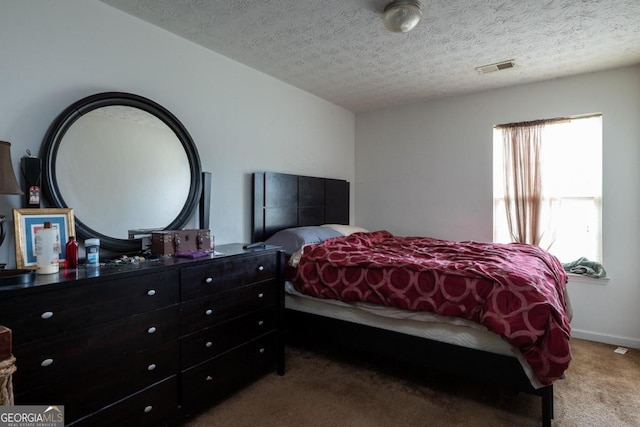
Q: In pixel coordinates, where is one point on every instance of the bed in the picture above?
(309, 217)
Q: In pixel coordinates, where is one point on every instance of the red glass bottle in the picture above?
(71, 253)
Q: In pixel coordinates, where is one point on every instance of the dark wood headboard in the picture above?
(283, 201)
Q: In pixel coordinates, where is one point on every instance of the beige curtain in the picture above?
(523, 184)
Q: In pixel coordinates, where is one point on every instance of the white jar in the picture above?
(47, 249)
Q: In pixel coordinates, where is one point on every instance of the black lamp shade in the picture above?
(8, 183)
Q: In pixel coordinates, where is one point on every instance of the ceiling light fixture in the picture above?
(401, 16)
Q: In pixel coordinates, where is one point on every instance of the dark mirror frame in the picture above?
(60, 126)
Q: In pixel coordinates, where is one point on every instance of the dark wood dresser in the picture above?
(146, 344)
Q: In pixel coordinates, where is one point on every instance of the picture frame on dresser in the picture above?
(28, 221)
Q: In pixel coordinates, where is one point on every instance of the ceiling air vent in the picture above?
(484, 69)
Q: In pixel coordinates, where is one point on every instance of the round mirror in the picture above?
(122, 162)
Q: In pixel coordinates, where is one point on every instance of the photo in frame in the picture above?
(26, 224)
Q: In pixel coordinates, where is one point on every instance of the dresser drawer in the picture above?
(46, 314)
(154, 406)
(225, 274)
(215, 309)
(262, 355)
(210, 342)
(90, 349)
(210, 381)
(96, 389)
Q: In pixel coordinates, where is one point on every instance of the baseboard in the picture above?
(607, 339)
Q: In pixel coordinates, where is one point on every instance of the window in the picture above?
(570, 215)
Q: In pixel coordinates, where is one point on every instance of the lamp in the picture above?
(9, 185)
(401, 16)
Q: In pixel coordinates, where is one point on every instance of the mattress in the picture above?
(450, 330)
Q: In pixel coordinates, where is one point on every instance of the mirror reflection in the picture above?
(121, 168)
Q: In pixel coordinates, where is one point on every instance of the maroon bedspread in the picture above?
(514, 290)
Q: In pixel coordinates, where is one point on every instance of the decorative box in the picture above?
(170, 242)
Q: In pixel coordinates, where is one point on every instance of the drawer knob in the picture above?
(261, 267)
(46, 362)
(151, 330)
(260, 295)
(261, 350)
(151, 367)
(208, 280)
(47, 315)
(209, 312)
(209, 378)
(151, 292)
(209, 344)
(260, 322)
(148, 409)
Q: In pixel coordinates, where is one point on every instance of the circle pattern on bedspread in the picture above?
(399, 280)
(455, 290)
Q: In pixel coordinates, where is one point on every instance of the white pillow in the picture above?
(346, 230)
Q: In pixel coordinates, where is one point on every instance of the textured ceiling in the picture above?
(339, 50)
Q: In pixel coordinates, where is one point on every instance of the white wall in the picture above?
(426, 169)
(242, 121)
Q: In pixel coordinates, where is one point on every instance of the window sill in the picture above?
(586, 280)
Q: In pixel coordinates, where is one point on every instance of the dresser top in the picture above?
(109, 269)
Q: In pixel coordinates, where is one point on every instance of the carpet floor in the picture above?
(602, 388)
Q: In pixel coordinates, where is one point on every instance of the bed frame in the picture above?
(282, 201)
